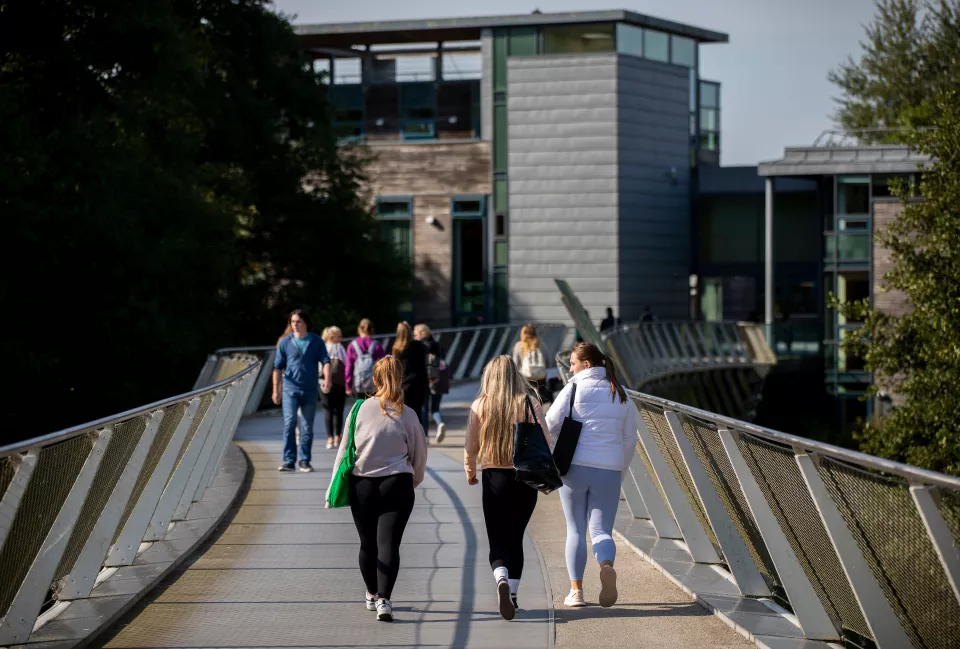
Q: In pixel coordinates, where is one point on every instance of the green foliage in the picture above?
(169, 184)
(916, 356)
(909, 56)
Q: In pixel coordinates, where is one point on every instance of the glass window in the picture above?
(500, 195)
(416, 68)
(467, 206)
(629, 40)
(397, 233)
(709, 141)
(322, 66)
(346, 70)
(382, 115)
(501, 225)
(710, 94)
(683, 51)
(417, 110)
(500, 138)
(347, 103)
(522, 41)
(578, 39)
(462, 66)
(848, 247)
(500, 62)
(656, 45)
(388, 208)
(853, 195)
(882, 183)
(455, 113)
(709, 120)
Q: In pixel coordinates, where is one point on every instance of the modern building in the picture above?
(511, 150)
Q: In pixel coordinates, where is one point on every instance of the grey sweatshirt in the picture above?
(386, 444)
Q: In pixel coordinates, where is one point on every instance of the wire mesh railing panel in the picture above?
(202, 409)
(660, 429)
(126, 436)
(7, 471)
(230, 366)
(880, 513)
(950, 510)
(706, 442)
(168, 426)
(57, 468)
(776, 472)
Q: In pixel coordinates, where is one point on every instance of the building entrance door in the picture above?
(469, 272)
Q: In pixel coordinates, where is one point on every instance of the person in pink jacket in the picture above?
(362, 353)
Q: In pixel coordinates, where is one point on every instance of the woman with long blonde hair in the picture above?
(528, 355)
(391, 459)
(505, 399)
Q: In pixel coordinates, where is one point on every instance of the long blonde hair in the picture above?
(528, 339)
(403, 338)
(504, 392)
(388, 379)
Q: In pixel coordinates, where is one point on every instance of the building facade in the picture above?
(511, 150)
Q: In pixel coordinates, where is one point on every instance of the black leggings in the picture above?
(333, 403)
(507, 508)
(381, 508)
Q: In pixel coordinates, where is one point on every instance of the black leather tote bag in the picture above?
(531, 455)
(567, 440)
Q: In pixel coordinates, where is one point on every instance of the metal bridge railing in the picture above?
(75, 502)
(466, 350)
(857, 547)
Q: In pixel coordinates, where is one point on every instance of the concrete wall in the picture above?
(654, 180)
(563, 146)
(432, 173)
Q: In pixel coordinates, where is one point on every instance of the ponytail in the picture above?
(592, 354)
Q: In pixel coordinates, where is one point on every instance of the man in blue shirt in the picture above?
(300, 354)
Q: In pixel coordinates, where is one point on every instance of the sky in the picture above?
(773, 71)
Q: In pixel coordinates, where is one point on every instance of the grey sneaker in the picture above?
(507, 609)
(608, 586)
(305, 467)
(287, 467)
(384, 610)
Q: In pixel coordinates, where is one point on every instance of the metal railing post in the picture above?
(482, 358)
(263, 380)
(83, 575)
(124, 551)
(226, 436)
(744, 569)
(656, 509)
(700, 548)
(925, 498)
(813, 617)
(17, 625)
(172, 493)
(465, 361)
(877, 612)
(13, 496)
(197, 473)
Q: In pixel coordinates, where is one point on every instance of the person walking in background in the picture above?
(439, 378)
(362, 353)
(412, 355)
(591, 488)
(609, 323)
(529, 357)
(391, 460)
(508, 504)
(648, 314)
(334, 396)
(300, 355)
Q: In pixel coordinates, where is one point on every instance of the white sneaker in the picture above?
(575, 599)
(384, 610)
(608, 586)
(329, 445)
(441, 432)
(371, 601)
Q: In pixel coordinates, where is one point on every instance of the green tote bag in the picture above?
(340, 484)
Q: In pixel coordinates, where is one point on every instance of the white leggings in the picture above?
(590, 498)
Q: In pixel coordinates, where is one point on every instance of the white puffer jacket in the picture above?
(608, 439)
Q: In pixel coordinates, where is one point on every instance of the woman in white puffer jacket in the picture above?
(591, 488)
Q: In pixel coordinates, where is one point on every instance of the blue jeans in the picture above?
(307, 403)
(431, 406)
(592, 495)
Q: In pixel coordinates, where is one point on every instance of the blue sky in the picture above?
(774, 69)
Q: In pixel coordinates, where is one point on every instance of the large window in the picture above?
(656, 45)
(578, 39)
(683, 51)
(458, 111)
(348, 105)
(709, 116)
(629, 40)
(382, 113)
(417, 111)
(396, 213)
(853, 203)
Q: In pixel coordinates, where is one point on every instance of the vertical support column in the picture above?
(83, 575)
(813, 617)
(12, 497)
(745, 571)
(226, 436)
(264, 377)
(768, 259)
(656, 509)
(927, 501)
(17, 624)
(464, 366)
(163, 514)
(701, 550)
(124, 551)
(877, 612)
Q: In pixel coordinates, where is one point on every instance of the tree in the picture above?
(917, 356)
(910, 55)
(170, 183)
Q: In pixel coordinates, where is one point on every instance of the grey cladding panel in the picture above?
(564, 159)
(557, 116)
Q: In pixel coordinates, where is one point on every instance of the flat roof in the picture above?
(470, 29)
(832, 160)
